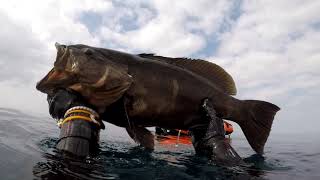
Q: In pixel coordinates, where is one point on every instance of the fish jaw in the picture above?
(55, 79)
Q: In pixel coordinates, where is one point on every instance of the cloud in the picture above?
(19, 48)
(270, 48)
(166, 27)
(27, 52)
(272, 52)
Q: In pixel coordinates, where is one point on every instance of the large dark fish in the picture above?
(158, 91)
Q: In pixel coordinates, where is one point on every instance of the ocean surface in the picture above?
(27, 151)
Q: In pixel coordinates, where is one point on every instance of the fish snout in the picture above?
(53, 80)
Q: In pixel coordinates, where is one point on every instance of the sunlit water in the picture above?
(27, 151)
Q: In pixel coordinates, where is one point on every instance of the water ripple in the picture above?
(27, 147)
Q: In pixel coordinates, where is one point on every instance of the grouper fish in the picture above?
(156, 91)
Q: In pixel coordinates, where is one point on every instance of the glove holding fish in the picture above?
(145, 90)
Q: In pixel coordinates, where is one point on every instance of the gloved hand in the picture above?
(62, 100)
(79, 137)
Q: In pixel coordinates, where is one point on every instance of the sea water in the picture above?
(27, 151)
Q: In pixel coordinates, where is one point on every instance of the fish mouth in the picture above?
(53, 80)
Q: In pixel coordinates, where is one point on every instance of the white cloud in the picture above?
(169, 27)
(269, 45)
(19, 48)
(271, 49)
(54, 20)
(28, 33)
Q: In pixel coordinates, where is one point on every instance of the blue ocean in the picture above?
(27, 151)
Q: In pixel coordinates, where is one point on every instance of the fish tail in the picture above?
(256, 119)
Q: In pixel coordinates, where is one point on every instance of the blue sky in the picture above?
(271, 48)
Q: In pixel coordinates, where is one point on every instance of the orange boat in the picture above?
(176, 136)
(171, 139)
(228, 128)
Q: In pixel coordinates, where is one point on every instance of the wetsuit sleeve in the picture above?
(62, 100)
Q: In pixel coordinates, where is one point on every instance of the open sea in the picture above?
(27, 151)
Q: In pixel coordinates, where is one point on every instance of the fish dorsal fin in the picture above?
(208, 70)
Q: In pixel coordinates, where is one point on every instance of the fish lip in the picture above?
(48, 86)
(48, 90)
(40, 85)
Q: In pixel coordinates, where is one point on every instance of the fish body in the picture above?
(158, 91)
(169, 96)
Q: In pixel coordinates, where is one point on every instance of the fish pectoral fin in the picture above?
(142, 136)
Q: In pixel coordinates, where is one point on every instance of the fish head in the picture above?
(87, 71)
(57, 77)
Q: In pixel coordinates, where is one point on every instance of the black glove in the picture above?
(62, 100)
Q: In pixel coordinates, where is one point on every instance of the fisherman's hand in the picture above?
(62, 100)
